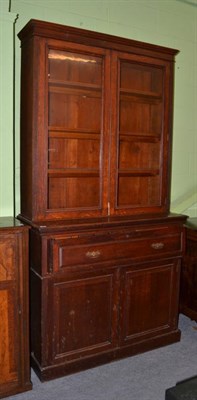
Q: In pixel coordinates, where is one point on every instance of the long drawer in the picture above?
(87, 249)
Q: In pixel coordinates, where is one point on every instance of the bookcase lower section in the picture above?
(97, 296)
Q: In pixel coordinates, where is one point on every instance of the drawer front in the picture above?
(80, 251)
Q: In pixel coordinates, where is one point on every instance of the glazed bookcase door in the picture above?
(140, 133)
(67, 165)
(77, 127)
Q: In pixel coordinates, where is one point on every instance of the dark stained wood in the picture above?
(105, 252)
(76, 35)
(101, 117)
(141, 108)
(151, 292)
(115, 246)
(188, 298)
(102, 293)
(14, 310)
(85, 330)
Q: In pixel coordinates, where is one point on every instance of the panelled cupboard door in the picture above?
(83, 314)
(141, 107)
(149, 302)
(9, 317)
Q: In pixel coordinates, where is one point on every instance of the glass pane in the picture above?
(140, 135)
(75, 111)
(139, 191)
(140, 117)
(73, 153)
(75, 117)
(73, 67)
(74, 192)
(139, 155)
(141, 77)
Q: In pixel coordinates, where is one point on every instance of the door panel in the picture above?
(9, 325)
(83, 315)
(150, 300)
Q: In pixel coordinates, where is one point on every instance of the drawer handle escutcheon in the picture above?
(93, 254)
(157, 246)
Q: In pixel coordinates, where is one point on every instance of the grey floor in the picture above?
(141, 377)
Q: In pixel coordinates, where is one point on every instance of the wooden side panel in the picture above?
(8, 335)
(14, 311)
(188, 295)
(8, 311)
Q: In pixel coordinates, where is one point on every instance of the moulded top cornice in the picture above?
(72, 34)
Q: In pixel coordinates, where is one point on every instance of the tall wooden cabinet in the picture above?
(14, 309)
(188, 291)
(96, 122)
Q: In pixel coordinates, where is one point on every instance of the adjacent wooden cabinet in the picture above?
(96, 131)
(188, 297)
(14, 311)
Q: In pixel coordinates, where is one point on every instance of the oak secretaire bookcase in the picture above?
(96, 122)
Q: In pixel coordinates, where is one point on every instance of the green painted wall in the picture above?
(6, 110)
(171, 23)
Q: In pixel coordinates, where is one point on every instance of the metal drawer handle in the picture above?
(93, 254)
(157, 246)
